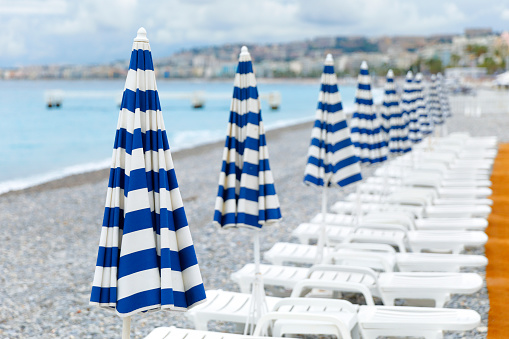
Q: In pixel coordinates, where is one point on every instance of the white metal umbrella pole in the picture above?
(322, 236)
(126, 327)
(258, 306)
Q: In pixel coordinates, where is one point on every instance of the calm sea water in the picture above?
(38, 144)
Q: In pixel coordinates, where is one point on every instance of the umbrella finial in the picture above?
(244, 51)
(390, 74)
(364, 65)
(142, 35)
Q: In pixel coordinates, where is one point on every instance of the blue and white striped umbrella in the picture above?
(331, 156)
(369, 144)
(246, 195)
(146, 259)
(435, 110)
(397, 135)
(424, 123)
(444, 97)
(390, 105)
(408, 102)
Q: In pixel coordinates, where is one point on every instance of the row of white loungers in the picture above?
(378, 258)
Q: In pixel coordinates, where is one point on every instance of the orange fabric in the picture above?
(497, 248)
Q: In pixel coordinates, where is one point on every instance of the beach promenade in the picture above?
(50, 235)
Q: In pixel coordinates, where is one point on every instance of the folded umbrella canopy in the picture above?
(146, 259)
(409, 105)
(331, 156)
(435, 111)
(397, 138)
(246, 196)
(365, 126)
(421, 110)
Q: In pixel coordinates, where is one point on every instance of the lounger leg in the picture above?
(245, 285)
(355, 332)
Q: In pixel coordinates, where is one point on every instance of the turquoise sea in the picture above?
(38, 144)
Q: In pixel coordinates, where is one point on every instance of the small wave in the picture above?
(20, 184)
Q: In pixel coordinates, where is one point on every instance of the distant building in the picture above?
(465, 72)
(477, 32)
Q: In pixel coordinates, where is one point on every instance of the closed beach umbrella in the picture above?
(397, 135)
(331, 157)
(424, 120)
(146, 259)
(246, 196)
(390, 104)
(444, 101)
(409, 104)
(435, 111)
(365, 126)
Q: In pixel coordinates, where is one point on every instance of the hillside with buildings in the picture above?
(480, 50)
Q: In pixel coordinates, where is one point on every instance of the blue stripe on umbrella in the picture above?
(331, 156)
(246, 195)
(366, 136)
(146, 259)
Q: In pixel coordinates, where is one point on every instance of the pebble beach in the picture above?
(50, 233)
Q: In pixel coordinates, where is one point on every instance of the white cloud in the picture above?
(31, 7)
(505, 14)
(77, 31)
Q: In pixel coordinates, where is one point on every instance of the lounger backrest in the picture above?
(306, 284)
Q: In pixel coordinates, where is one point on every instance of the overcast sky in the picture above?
(98, 31)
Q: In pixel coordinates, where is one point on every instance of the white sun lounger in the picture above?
(375, 321)
(396, 235)
(372, 320)
(442, 192)
(389, 286)
(455, 241)
(233, 307)
(373, 255)
(407, 220)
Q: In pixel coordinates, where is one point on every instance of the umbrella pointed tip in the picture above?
(364, 65)
(390, 73)
(142, 35)
(244, 51)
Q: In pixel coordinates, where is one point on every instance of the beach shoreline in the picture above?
(93, 176)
